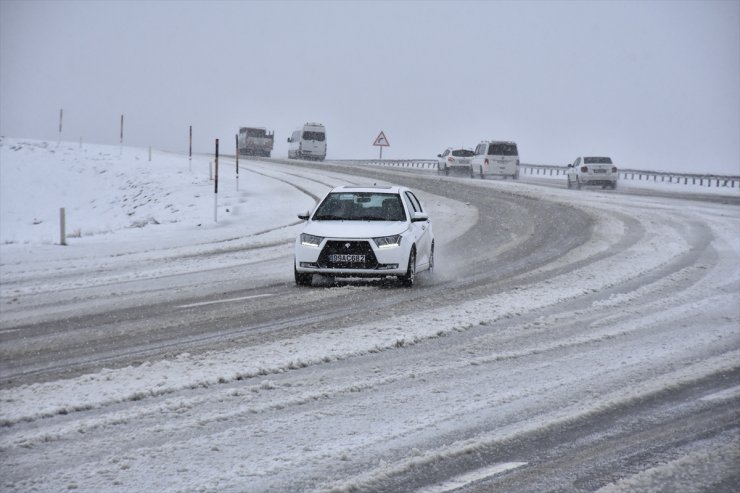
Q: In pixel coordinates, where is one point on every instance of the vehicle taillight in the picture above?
(584, 169)
(517, 162)
(485, 162)
(614, 169)
(450, 159)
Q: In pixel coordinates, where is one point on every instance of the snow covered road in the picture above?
(569, 341)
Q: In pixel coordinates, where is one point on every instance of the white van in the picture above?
(498, 158)
(308, 142)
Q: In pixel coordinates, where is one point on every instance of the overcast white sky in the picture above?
(654, 84)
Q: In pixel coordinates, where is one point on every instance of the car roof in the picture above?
(498, 142)
(369, 188)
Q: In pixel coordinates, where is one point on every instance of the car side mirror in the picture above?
(304, 215)
(289, 140)
(439, 155)
(419, 216)
(570, 165)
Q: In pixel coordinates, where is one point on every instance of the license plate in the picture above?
(346, 258)
(599, 171)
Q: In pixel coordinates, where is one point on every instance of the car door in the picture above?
(422, 230)
(573, 169)
(442, 159)
(478, 158)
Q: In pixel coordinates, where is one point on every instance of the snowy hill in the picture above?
(110, 190)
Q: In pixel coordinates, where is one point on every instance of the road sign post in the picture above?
(381, 141)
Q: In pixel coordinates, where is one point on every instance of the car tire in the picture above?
(302, 279)
(481, 172)
(578, 183)
(447, 171)
(431, 259)
(570, 185)
(408, 279)
(472, 172)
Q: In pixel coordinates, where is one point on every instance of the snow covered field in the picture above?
(338, 409)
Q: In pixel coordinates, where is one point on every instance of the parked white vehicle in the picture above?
(592, 171)
(455, 158)
(496, 158)
(375, 231)
(308, 142)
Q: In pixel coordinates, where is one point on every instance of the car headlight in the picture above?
(310, 240)
(388, 241)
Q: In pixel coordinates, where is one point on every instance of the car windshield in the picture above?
(360, 206)
(597, 160)
(318, 136)
(463, 153)
(502, 150)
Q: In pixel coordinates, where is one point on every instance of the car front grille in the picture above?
(351, 249)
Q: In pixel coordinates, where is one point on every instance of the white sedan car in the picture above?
(592, 171)
(374, 231)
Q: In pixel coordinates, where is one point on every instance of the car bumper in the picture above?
(351, 272)
(498, 170)
(378, 262)
(601, 180)
(317, 154)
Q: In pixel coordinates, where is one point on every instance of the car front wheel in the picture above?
(302, 279)
(431, 260)
(409, 278)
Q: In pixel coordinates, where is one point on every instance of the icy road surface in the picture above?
(568, 341)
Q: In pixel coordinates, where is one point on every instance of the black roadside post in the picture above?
(61, 114)
(237, 161)
(215, 189)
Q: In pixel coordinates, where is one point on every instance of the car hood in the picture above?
(355, 229)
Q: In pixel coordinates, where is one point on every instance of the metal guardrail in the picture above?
(718, 181)
(703, 180)
(394, 163)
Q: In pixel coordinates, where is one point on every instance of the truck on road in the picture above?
(255, 141)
